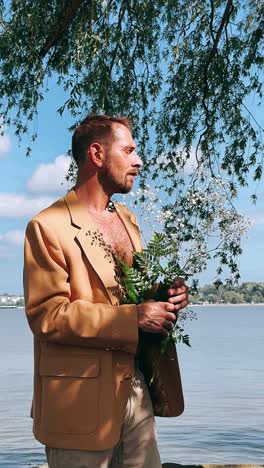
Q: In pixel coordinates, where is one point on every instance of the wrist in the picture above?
(140, 314)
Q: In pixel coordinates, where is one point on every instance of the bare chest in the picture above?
(115, 235)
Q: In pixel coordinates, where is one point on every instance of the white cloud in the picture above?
(14, 238)
(257, 218)
(50, 178)
(14, 205)
(11, 244)
(255, 215)
(5, 144)
(190, 164)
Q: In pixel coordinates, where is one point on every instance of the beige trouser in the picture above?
(137, 447)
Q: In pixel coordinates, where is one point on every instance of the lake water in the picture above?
(223, 380)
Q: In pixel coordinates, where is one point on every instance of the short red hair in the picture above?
(94, 129)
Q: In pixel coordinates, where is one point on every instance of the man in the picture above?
(91, 407)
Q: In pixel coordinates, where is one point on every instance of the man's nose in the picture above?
(138, 161)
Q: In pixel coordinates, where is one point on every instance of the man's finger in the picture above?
(168, 325)
(169, 307)
(180, 306)
(178, 282)
(180, 290)
(178, 298)
(170, 316)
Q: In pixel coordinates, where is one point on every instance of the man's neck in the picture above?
(93, 197)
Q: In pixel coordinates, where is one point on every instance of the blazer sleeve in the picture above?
(50, 313)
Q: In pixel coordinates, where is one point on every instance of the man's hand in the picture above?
(156, 317)
(178, 294)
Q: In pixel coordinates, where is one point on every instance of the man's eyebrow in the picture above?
(129, 147)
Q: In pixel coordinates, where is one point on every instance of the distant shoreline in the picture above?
(228, 304)
(218, 304)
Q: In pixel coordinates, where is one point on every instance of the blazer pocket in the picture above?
(70, 398)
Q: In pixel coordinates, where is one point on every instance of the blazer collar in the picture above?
(81, 218)
(87, 237)
(78, 213)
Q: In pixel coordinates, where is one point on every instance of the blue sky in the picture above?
(30, 184)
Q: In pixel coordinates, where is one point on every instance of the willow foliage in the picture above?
(180, 69)
(183, 71)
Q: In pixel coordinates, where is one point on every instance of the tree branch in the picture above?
(251, 115)
(225, 19)
(212, 19)
(224, 22)
(61, 26)
(118, 42)
(105, 101)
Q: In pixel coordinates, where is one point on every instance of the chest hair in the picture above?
(115, 234)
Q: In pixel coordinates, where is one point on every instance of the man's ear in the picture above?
(97, 154)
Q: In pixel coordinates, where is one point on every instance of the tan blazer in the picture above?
(84, 341)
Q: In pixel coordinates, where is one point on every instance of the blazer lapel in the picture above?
(92, 245)
(91, 241)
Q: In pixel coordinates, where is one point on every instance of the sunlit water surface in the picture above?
(223, 382)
